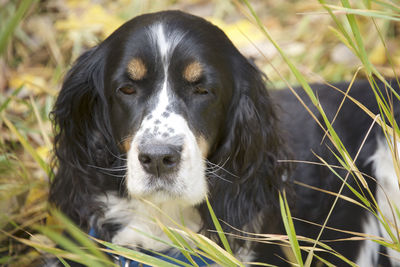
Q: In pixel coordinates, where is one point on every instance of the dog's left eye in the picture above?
(127, 90)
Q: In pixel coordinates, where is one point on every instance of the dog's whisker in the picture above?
(212, 166)
(216, 167)
(116, 156)
(116, 169)
(108, 171)
(213, 174)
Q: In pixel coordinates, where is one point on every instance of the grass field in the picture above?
(293, 42)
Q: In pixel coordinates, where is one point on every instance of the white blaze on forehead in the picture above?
(162, 43)
(166, 42)
(161, 120)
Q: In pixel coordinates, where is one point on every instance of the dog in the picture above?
(166, 110)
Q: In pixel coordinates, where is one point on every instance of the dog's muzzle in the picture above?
(160, 159)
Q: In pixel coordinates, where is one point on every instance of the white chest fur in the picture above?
(388, 193)
(138, 218)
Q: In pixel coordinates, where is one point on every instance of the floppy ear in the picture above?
(82, 138)
(248, 154)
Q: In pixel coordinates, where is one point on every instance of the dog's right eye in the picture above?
(127, 90)
(200, 90)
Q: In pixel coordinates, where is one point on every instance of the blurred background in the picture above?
(39, 40)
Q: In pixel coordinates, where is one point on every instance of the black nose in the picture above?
(159, 159)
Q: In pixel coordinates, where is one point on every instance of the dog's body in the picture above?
(166, 110)
(364, 141)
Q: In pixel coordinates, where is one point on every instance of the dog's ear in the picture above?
(249, 153)
(82, 130)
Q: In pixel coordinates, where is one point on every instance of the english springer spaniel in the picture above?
(166, 110)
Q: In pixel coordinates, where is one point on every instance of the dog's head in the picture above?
(169, 92)
(169, 106)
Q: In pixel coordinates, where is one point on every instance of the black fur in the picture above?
(83, 140)
(251, 145)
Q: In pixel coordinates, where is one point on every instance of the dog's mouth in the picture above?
(162, 183)
(166, 186)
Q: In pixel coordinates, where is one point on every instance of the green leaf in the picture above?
(66, 243)
(135, 255)
(10, 26)
(289, 227)
(26, 145)
(218, 228)
(4, 105)
(79, 236)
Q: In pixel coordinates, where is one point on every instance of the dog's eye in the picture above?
(127, 90)
(200, 90)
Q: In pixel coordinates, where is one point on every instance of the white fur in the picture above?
(189, 185)
(369, 252)
(162, 43)
(387, 179)
(166, 42)
(138, 216)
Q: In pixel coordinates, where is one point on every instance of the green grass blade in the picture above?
(388, 5)
(181, 263)
(79, 236)
(179, 241)
(367, 13)
(63, 262)
(135, 255)
(13, 23)
(74, 248)
(340, 27)
(5, 259)
(172, 245)
(26, 145)
(363, 199)
(289, 227)
(5, 104)
(214, 252)
(300, 78)
(46, 248)
(218, 227)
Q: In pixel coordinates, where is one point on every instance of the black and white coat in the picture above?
(167, 110)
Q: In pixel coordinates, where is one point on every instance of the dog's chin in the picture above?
(166, 189)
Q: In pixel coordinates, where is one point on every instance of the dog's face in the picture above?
(169, 92)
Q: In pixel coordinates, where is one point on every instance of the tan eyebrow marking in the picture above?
(136, 69)
(193, 71)
(126, 144)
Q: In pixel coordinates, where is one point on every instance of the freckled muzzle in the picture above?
(165, 165)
